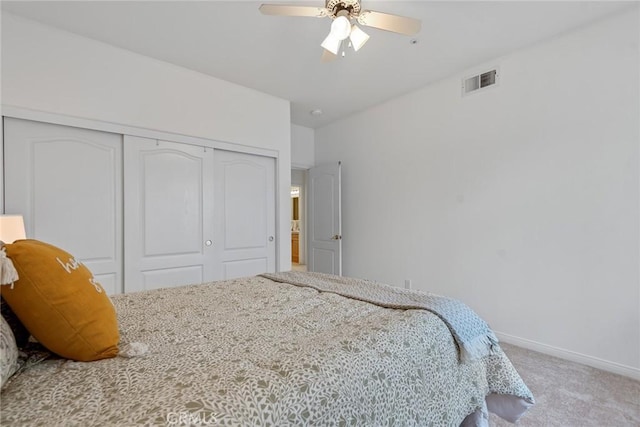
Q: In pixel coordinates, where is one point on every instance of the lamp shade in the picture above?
(11, 228)
(358, 37)
(341, 27)
(332, 44)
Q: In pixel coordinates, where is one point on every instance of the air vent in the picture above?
(479, 81)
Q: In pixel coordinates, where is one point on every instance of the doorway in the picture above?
(298, 220)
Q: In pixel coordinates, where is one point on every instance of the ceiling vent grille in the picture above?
(480, 81)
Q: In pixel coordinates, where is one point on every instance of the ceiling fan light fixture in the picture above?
(332, 44)
(341, 27)
(358, 37)
(343, 12)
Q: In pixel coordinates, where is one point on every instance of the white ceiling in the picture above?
(233, 41)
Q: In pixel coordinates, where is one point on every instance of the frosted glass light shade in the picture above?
(358, 37)
(11, 228)
(340, 28)
(331, 44)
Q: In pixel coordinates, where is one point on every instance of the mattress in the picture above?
(254, 351)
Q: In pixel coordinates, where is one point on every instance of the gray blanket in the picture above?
(472, 334)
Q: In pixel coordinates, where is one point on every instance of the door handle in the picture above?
(271, 238)
(208, 243)
(337, 237)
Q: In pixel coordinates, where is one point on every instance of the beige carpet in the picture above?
(569, 394)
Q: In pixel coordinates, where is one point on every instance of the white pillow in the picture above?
(8, 353)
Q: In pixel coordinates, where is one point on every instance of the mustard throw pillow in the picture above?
(60, 303)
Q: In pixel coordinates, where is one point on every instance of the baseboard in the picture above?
(572, 356)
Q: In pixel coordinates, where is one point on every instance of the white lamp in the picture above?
(340, 30)
(358, 37)
(341, 27)
(11, 228)
(332, 44)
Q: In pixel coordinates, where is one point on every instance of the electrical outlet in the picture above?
(407, 283)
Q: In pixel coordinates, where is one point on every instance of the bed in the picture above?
(283, 349)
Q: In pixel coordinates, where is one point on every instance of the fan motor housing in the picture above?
(335, 6)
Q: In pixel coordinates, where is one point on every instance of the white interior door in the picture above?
(325, 219)
(244, 218)
(67, 183)
(168, 209)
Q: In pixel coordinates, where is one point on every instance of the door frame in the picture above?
(303, 211)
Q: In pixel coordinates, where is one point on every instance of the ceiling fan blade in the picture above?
(290, 10)
(327, 56)
(388, 22)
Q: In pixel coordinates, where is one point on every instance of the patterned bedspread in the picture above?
(472, 334)
(257, 352)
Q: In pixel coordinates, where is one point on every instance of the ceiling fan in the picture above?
(343, 13)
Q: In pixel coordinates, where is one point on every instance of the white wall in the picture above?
(58, 72)
(302, 147)
(521, 200)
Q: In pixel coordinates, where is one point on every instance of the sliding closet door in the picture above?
(244, 218)
(67, 183)
(168, 201)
